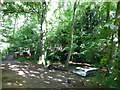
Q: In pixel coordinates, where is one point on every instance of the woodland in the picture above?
(61, 35)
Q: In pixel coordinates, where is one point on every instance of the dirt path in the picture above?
(31, 75)
(10, 58)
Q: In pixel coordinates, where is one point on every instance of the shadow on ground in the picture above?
(31, 75)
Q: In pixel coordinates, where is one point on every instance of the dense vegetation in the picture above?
(70, 31)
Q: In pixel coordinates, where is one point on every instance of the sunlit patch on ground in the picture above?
(26, 75)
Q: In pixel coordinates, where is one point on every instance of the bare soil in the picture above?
(17, 74)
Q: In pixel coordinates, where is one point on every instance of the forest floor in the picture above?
(17, 74)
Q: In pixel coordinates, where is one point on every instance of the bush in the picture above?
(23, 59)
(111, 81)
(4, 54)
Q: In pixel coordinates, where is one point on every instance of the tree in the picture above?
(118, 25)
(43, 33)
(71, 34)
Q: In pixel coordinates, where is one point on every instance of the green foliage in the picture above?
(4, 50)
(111, 81)
(3, 54)
(104, 60)
(23, 59)
(94, 33)
(26, 36)
(49, 62)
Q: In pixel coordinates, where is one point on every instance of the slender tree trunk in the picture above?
(71, 36)
(43, 43)
(1, 2)
(109, 53)
(43, 34)
(118, 24)
(15, 25)
(108, 11)
(40, 39)
(113, 46)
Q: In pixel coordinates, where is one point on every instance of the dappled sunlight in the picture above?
(25, 70)
(59, 75)
(70, 78)
(24, 81)
(41, 76)
(38, 77)
(55, 79)
(59, 80)
(9, 64)
(13, 66)
(62, 76)
(14, 84)
(73, 81)
(64, 83)
(14, 69)
(68, 43)
(9, 84)
(32, 73)
(46, 81)
(2, 66)
(45, 72)
(50, 77)
(21, 73)
(51, 70)
(24, 66)
(40, 69)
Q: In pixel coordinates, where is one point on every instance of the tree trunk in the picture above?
(15, 25)
(43, 43)
(43, 34)
(118, 24)
(113, 45)
(1, 2)
(71, 36)
(109, 53)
